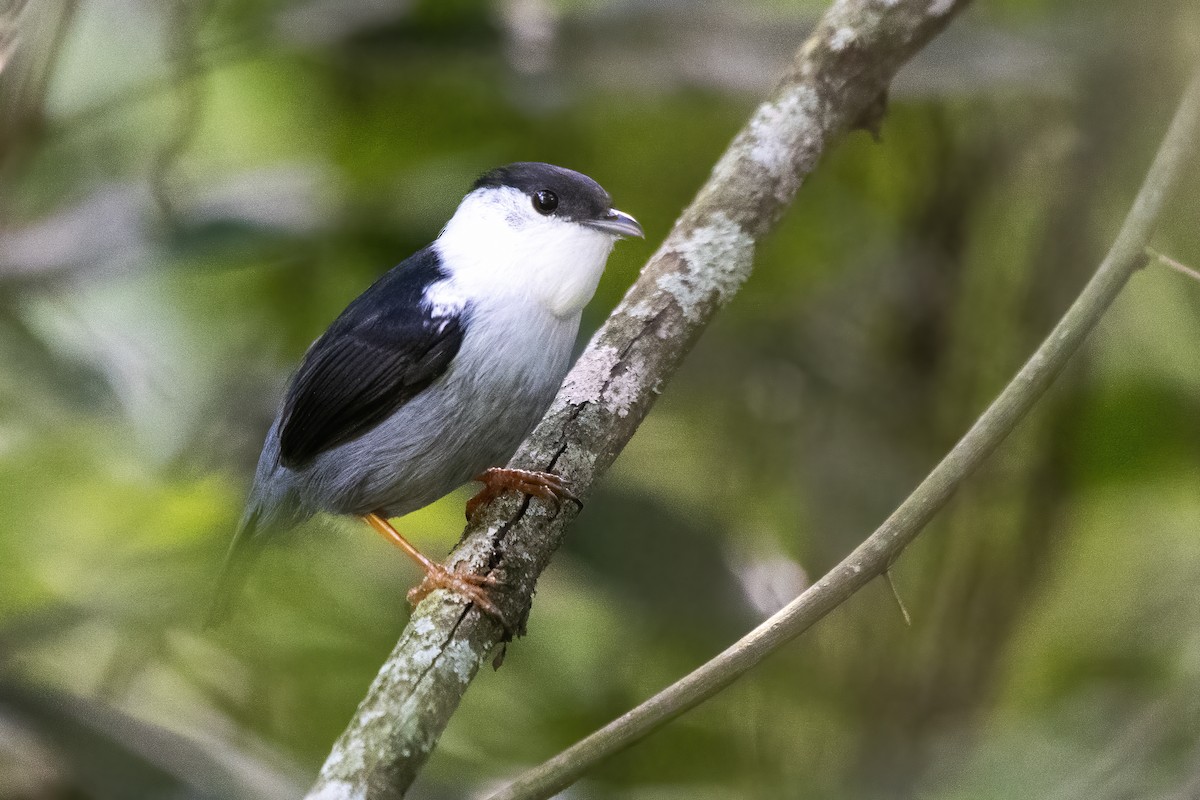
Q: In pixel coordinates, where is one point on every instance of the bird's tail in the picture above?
(243, 552)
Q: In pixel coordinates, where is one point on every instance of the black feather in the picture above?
(383, 350)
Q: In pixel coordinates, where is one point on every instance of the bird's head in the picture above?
(535, 229)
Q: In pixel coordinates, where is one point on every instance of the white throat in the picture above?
(497, 246)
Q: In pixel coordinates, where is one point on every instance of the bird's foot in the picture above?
(544, 485)
(466, 585)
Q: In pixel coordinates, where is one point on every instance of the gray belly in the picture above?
(473, 417)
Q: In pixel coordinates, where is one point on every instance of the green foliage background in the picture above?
(191, 191)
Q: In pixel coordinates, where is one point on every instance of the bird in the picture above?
(434, 375)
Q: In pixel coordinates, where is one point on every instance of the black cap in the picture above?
(578, 196)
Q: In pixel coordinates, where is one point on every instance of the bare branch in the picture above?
(837, 82)
(1178, 266)
(875, 556)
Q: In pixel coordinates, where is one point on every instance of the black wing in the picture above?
(383, 349)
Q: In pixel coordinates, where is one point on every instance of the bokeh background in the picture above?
(190, 191)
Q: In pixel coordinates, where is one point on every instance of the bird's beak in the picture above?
(617, 223)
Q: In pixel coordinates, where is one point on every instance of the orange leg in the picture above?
(437, 576)
(498, 480)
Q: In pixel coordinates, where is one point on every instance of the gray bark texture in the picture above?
(836, 83)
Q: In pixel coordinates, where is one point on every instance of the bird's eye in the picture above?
(545, 201)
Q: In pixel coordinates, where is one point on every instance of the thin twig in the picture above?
(1173, 264)
(876, 554)
(835, 84)
(891, 582)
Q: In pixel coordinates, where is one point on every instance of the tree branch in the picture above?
(879, 551)
(837, 82)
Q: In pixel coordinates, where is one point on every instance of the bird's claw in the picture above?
(546, 486)
(466, 585)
